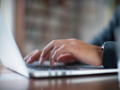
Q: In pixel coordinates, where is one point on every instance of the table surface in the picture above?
(12, 81)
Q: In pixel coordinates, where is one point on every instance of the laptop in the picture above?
(11, 58)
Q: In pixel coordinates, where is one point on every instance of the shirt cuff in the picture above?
(109, 55)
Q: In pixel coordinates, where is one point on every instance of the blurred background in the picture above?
(35, 23)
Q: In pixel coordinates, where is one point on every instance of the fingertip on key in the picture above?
(51, 62)
(40, 61)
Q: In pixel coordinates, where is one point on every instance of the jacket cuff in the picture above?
(109, 55)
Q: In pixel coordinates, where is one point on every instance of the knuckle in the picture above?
(53, 42)
(64, 46)
(73, 39)
(56, 52)
(55, 47)
(43, 50)
(74, 43)
(31, 57)
(36, 50)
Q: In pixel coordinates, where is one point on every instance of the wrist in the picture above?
(99, 56)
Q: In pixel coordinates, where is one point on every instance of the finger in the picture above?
(50, 46)
(66, 58)
(49, 55)
(41, 60)
(29, 55)
(34, 56)
(62, 50)
(26, 58)
(52, 52)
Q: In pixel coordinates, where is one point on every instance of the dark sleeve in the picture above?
(108, 33)
(109, 55)
(107, 37)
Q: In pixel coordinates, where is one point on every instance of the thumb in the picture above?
(66, 58)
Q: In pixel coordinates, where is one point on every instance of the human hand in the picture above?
(76, 49)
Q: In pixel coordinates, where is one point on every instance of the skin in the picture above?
(68, 51)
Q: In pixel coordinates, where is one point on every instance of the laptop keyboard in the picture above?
(44, 68)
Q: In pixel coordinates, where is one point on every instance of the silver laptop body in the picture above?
(11, 58)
